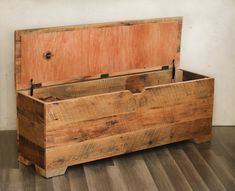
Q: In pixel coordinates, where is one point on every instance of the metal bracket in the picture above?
(34, 86)
(165, 67)
(173, 69)
(104, 76)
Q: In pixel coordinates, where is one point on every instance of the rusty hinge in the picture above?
(34, 86)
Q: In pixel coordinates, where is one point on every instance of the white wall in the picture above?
(208, 39)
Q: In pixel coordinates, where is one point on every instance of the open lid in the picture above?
(65, 54)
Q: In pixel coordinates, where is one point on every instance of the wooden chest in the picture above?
(93, 91)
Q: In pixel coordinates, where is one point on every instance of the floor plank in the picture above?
(203, 168)
(77, 178)
(173, 171)
(135, 172)
(190, 173)
(157, 171)
(95, 174)
(61, 183)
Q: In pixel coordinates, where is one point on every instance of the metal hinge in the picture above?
(173, 69)
(165, 67)
(34, 86)
(104, 76)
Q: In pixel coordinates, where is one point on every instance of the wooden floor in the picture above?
(181, 166)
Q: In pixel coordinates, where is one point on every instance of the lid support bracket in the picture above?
(34, 86)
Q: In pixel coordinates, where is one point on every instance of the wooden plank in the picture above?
(128, 122)
(203, 168)
(187, 168)
(95, 25)
(219, 169)
(66, 155)
(61, 183)
(157, 171)
(220, 149)
(103, 105)
(91, 51)
(31, 130)
(77, 178)
(43, 184)
(116, 178)
(31, 152)
(30, 114)
(30, 108)
(130, 167)
(31, 122)
(173, 171)
(99, 178)
(133, 82)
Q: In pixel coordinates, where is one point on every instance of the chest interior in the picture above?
(135, 83)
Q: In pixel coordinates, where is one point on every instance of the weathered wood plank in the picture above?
(33, 131)
(31, 122)
(128, 122)
(67, 155)
(98, 106)
(31, 108)
(134, 82)
(31, 152)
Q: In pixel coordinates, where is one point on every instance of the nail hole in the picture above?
(48, 55)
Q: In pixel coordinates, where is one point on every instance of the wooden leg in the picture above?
(24, 161)
(202, 139)
(50, 173)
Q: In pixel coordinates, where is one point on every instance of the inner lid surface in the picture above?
(61, 54)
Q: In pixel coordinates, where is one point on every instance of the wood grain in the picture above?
(90, 51)
(103, 105)
(123, 123)
(133, 82)
(66, 155)
(31, 122)
(31, 152)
